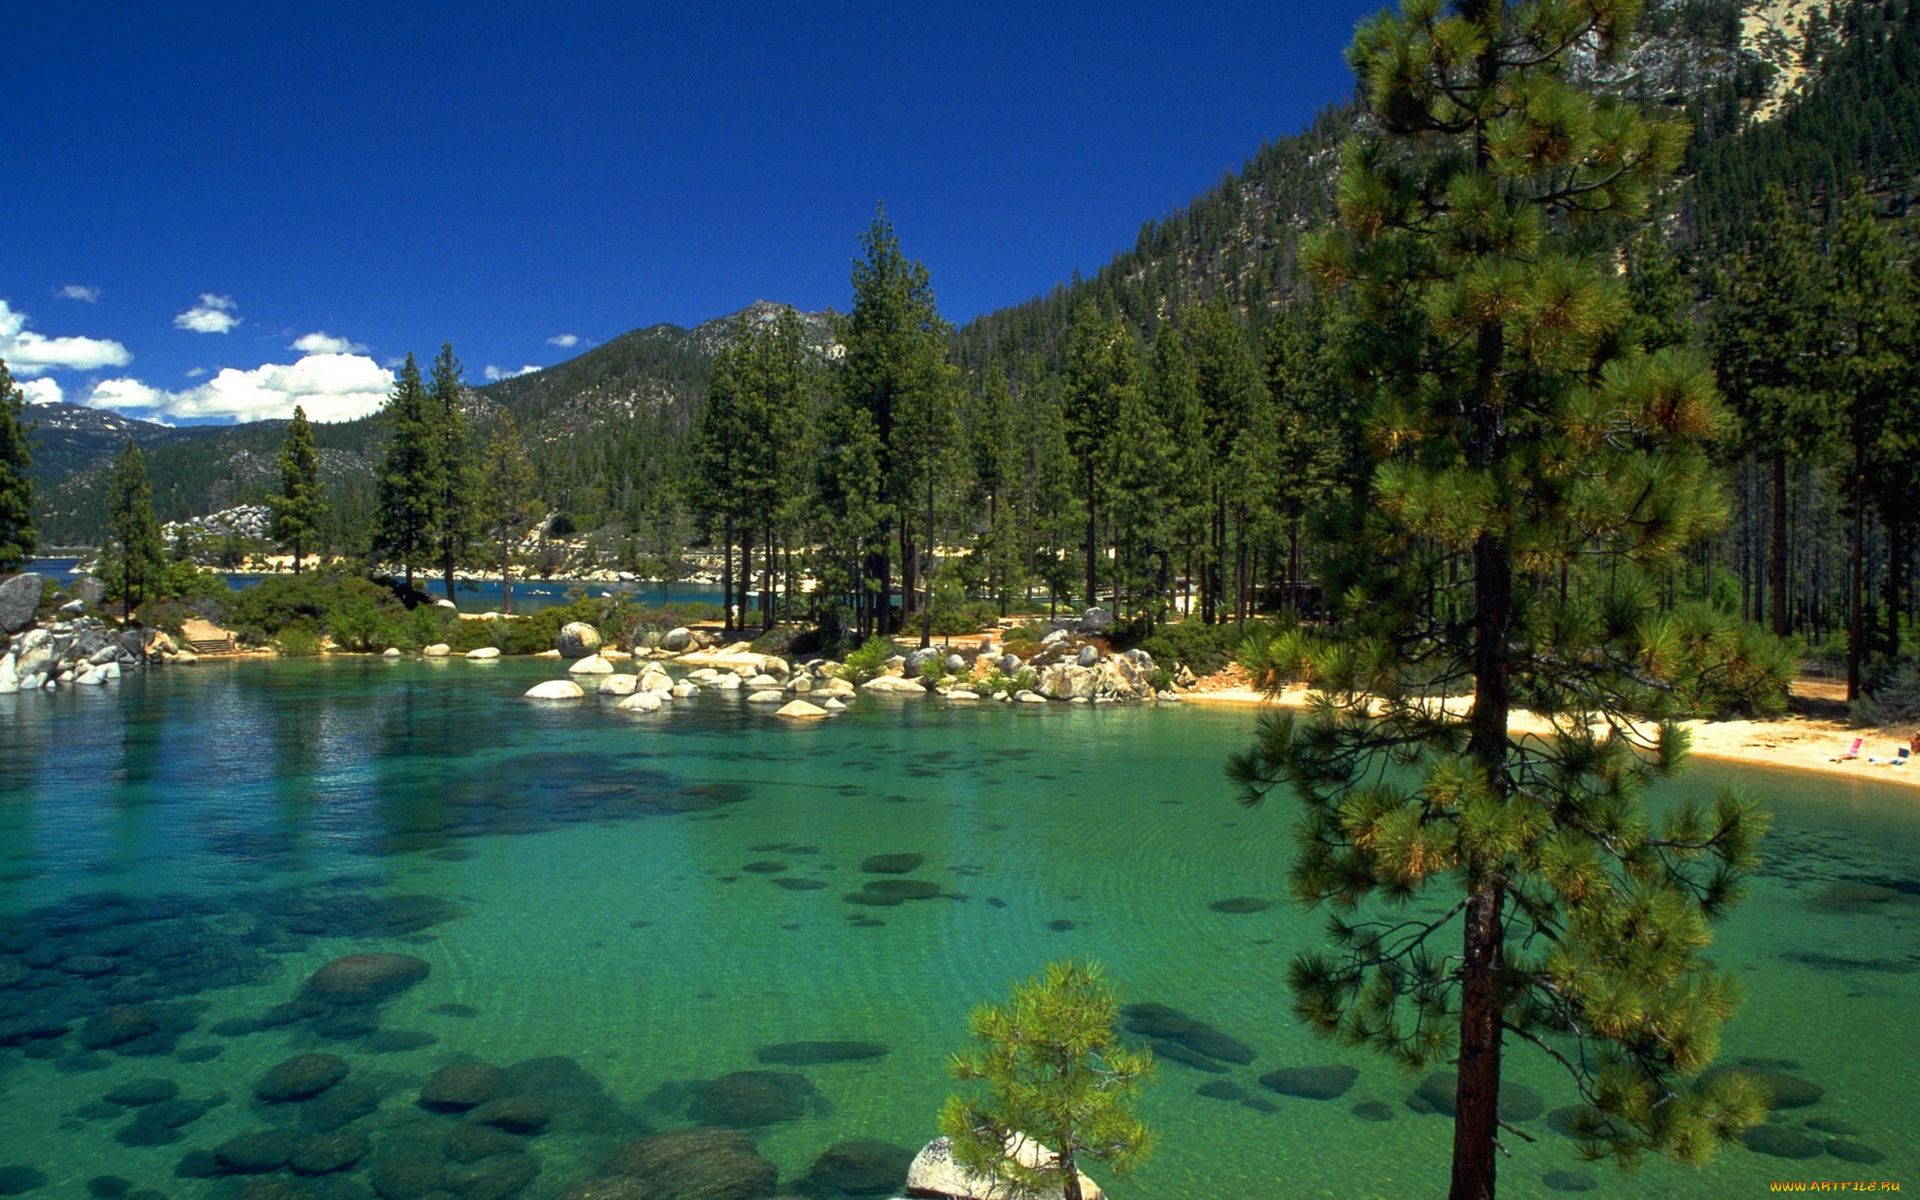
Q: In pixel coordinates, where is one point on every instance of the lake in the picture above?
(484, 595)
(662, 920)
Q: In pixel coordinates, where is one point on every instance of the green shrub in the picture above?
(1889, 694)
(1203, 648)
(869, 660)
(319, 598)
(298, 640)
(1024, 680)
(933, 670)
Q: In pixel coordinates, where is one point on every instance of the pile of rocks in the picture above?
(73, 648)
(1070, 666)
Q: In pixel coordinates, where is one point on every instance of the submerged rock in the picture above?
(860, 1167)
(138, 1093)
(891, 864)
(1241, 904)
(365, 978)
(806, 1054)
(461, 1086)
(687, 1164)
(118, 1025)
(751, 1099)
(301, 1077)
(1312, 1083)
(1781, 1142)
(1170, 1024)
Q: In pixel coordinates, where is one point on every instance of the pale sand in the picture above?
(1795, 742)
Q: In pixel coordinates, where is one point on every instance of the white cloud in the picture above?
(214, 314)
(322, 342)
(79, 291)
(566, 341)
(496, 374)
(195, 372)
(331, 387)
(28, 353)
(41, 391)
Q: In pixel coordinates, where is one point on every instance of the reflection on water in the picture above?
(370, 928)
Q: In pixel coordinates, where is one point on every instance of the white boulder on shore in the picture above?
(556, 689)
(894, 683)
(619, 685)
(935, 1173)
(592, 664)
(800, 709)
(641, 702)
(483, 654)
(577, 639)
(437, 650)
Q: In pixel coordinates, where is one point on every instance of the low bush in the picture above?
(298, 640)
(869, 660)
(1203, 648)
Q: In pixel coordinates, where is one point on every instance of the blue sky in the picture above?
(211, 212)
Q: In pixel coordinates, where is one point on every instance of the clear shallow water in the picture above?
(576, 879)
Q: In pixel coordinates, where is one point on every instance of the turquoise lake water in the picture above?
(663, 900)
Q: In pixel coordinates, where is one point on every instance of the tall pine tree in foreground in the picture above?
(17, 539)
(411, 480)
(454, 509)
(506, 497)
(301, 505)
(1533, 477)
(133, 533)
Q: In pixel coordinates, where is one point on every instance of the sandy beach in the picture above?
(1796, 741)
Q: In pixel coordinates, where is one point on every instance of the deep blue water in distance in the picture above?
(484, 595)
(671, 902)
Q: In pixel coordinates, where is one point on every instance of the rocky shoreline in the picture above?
(72, 649)
(1072, 666)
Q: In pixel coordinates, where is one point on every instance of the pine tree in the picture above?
(1056, 1074)
(506, 496)
(17, 538)
(722, 491)
(411, 483)
(1103, 373)
(895, 370)
(134, 533)
(1868, 371)
(301, 505)
(452, 444)
(1766, 335)
(1232, 401)
(1532, 479)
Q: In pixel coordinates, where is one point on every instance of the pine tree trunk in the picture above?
(726, 576)
(1092, 537)
(506, 577)
(446, 565)
(1777, 555)
(926, 598)
(1855, 576)
(1896, 534)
